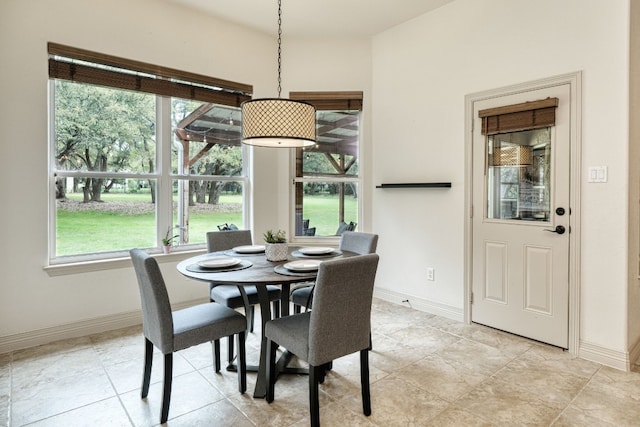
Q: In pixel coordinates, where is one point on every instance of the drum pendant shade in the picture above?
(277, 122)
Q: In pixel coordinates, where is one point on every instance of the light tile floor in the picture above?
(425, 370)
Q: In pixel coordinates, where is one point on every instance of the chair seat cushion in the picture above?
(291, 332)
(301, 296)
(230, 296)
(205, 322)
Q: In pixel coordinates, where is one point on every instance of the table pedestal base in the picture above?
(281, 368)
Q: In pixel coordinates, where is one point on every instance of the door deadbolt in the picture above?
(560, 211)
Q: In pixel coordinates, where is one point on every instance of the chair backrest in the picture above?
(224, 240)
(157, 321)
(340, 321)
(358, 242)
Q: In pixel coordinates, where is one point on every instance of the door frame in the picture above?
(575, 173)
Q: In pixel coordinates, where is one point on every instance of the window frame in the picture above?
(325, 101)
(186, 85)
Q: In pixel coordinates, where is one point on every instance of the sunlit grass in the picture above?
(93, 231)
(322, 213)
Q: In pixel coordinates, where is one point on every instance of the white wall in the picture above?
(422, 71)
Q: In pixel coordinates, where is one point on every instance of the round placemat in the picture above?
(195, 268)
(233, 253)
(334, 253)
(281, 270)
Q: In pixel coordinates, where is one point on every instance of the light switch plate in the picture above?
(597, 174)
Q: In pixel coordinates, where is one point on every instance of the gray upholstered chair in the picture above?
(338, 325)
(360, 243)
(230, 295)
(172, 331)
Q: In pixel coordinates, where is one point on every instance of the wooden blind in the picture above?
(139, 76)
(511, 118)
(330, 100)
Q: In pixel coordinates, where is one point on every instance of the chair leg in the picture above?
(325, 368)
(166, 394)
(276, 309)
(251, 313)
(309, 300)
(148, 361)
(271, 370)
(315, 372)
(364, 381)
(216, 355)
(230, 350)
(296, 308)
(242, 364)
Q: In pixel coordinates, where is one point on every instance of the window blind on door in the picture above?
(516, 117)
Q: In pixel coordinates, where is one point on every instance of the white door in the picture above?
(521, 223)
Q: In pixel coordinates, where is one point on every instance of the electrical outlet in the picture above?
(431, 273)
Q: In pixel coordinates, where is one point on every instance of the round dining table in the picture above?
(253, 269)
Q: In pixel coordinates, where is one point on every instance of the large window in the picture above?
(139, 152)
(327, 177)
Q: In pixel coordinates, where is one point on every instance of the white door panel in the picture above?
(520, 265)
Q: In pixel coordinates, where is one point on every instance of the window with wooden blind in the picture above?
(326, 198)
(519, 147)
(140, 153)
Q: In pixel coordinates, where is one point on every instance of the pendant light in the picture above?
(278, 122)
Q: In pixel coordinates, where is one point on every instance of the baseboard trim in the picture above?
(82, 328)
(432, 307)
(605, 356)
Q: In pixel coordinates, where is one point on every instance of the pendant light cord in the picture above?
(279, 46)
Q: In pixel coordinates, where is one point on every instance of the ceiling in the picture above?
(316, 18)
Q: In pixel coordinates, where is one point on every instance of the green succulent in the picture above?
(275, 236)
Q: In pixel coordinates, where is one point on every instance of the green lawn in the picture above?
(322, 211)
(89, 231)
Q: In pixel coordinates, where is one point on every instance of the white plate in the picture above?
(249, 249)
(218, 262)
(316, 250)
(306, 265)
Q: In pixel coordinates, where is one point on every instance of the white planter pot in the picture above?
(276, 251)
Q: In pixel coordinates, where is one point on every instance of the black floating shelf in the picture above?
(417, 185)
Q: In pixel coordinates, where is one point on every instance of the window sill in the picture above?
(79, 267)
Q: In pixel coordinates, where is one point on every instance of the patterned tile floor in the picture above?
(425, 370)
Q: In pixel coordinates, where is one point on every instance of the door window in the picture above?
(518, 175)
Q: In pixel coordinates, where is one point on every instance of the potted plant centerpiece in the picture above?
(167, 241)
(275, 247)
